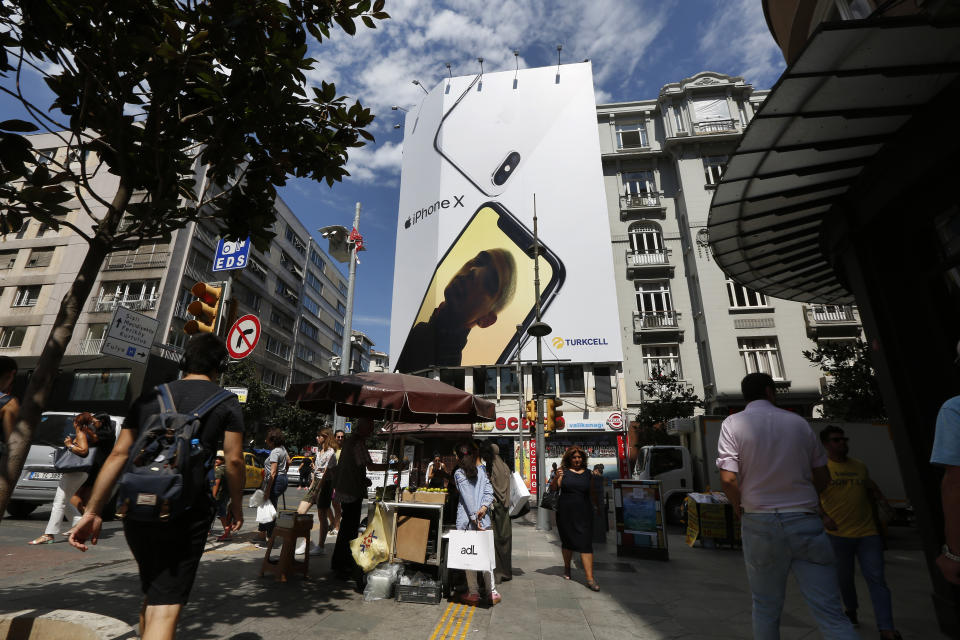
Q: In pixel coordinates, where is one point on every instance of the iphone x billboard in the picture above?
(479, 153)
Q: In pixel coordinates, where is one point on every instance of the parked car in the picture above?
(253, 471)
(38, 481)
(293, 471)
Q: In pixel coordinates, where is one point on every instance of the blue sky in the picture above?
(636, 46)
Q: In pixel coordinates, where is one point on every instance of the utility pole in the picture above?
(521, 398)
(539, 329)
(346, 357)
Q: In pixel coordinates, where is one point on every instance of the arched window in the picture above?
(646, 238)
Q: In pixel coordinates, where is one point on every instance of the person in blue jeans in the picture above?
(773, 468)
(275, 482)
(848, 515)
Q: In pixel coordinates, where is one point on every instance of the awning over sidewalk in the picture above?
(853, 87)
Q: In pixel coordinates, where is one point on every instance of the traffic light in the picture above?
(557, 418)
(532, 412)
(548, 419)
(204, 308)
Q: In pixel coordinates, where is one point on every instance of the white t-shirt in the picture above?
(326, 459)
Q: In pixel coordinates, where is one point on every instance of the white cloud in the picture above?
(737, 38)
(366, 162)
(378, 321)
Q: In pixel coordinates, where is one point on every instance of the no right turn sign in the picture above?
(243, 337)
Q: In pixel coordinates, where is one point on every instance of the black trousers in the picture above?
(342, 561)
(503, 539)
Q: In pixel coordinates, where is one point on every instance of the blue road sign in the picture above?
(231, 254)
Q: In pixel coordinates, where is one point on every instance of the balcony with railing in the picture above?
(105, 305)
(648, 261)
(645, 322)
(90, 347)
(643, 200)
(116, 262)
(831, 320)
(710, 127)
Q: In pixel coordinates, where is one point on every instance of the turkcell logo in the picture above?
(560, 343)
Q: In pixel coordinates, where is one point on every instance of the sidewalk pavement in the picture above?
(699, 593)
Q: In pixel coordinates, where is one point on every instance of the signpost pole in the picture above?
(346, 357)
(543, 517)
(224, 304)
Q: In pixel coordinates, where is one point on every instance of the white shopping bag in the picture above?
(472, 550)
(266, 513)
(519, 495)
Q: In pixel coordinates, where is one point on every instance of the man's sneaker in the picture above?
(495, 597)
(316, 550)
(301, 548)
(853, 617)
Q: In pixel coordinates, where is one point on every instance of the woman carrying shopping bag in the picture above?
(473, 512)
(275, 481)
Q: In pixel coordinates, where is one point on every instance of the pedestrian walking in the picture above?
(9, 406)
(305, 470)
(946, 454)
(500, 477)
(849, 516)
(78, 444)
(168, 552)
(475, 499)
(275, 479)
(773, 469)
(221, 494)
(340, 436)
(351, 487)
(575, 510)
(321, 489)
(106, 437)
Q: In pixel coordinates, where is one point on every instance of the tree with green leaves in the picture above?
(196, 110)
(260, 402)
(852, 391)
(664, 396)
(300, 427)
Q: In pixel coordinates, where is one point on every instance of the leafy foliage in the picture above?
(664, 397)
(299, 426)
(852, 391)
(260, 402)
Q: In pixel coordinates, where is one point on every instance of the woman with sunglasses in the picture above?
(575, 509)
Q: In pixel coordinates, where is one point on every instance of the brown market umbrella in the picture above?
(397, 397)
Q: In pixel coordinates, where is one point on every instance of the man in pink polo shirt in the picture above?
(773, 468)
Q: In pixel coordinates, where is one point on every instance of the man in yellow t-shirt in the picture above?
(848, 515)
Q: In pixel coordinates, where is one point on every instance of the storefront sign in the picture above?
(595, 421)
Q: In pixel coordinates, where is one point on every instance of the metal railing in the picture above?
(135, 261)
(645, 320)
(170, 351)
(833, 313)
(135, 304)
(642, 258)
(715, 126)
(639, 200)
(90, 346)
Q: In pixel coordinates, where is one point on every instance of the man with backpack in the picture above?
(160, 461)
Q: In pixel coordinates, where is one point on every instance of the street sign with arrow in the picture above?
(130, 335)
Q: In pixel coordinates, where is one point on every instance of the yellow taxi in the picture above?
(253, 471)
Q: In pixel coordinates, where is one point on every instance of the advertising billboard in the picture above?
(477, 152)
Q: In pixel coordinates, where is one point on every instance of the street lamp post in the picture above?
(539, 329)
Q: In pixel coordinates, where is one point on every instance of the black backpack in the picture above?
(167, 467)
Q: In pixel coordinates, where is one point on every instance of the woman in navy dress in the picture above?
(577, 504)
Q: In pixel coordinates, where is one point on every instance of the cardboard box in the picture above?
(430, 497)
(407, 496)
(412, 533)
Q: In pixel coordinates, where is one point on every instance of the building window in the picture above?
(761, 355)
(453, 377)
(27, 296)
(509, 384)
(631, 134)
(337, 347)
(252, 299)
(571, 378)
(743, 298)
(305, 354)
(678, 118)
(45, 156)
(105, 385)
(602, 387)
(548, 383)
(258, 271)
(138, 295)
(201, 263)
(290, 265)
(274, 379)
(309, 330)
(485, 381)
(311, 305)
(343, 287)
(7, 259)
(286, 292)
(23, 228)
(277, 347)
(180, 308)
(646, 239)
(296, 241)
(147, 256)
(317, 260)
(341, 309)
(314, 282)
(654, 297)
(281, 320)
(338, 328)
(639, 188)
(713, 167)
(664, 357)
(12, 337)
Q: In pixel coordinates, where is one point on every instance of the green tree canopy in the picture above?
(195, 110)
(852, 391)
(665, 396)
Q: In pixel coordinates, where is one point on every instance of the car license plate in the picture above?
(44, 475)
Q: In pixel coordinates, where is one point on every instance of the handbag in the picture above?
(66, 461)
(550, 500)
(256, 499)
(471, 550)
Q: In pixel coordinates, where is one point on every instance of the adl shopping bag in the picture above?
(472, 550)
(519, 496)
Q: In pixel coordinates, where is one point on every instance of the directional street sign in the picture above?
(240, 392)
(231, 255)
(243, 336)
(130, 335)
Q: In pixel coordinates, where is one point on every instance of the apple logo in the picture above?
(406, 225)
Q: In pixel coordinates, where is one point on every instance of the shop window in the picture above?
(485, 381)
(453, 377)
(509, 385)
(571, 378)
(602, 387)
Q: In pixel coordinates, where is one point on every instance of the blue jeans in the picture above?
(773, 545)
(869, 551)
(279, 486)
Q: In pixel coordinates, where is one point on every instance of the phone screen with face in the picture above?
(480, 291)
(495, 125)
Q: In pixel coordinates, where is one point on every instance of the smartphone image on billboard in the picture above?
(493, 127)
(480, 291)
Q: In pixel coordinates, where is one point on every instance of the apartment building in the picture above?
(293, 287)
(662, 159)
(379, 361)
(361, 351)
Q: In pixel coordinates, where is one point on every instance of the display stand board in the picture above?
(638, 507)
(710, 519)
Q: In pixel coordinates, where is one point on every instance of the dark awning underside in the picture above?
(853, 87)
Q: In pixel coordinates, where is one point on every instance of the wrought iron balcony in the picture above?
(644, 200)
(643, 258)
(90, 347)
(644, 321)
(135, 261)
(830, 320)
(715, 126)
(135, 304)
